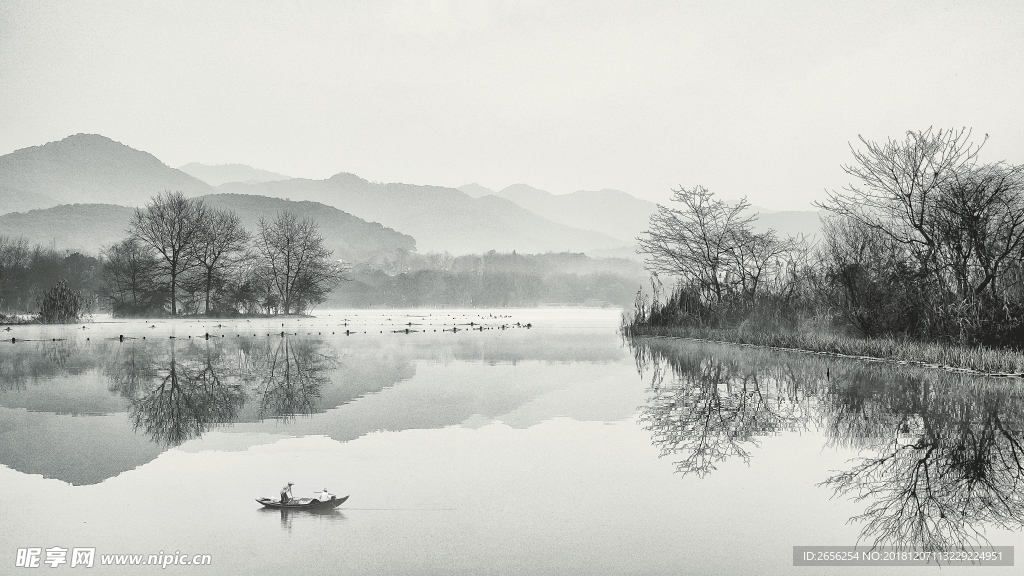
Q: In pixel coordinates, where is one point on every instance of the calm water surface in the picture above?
(554, 449)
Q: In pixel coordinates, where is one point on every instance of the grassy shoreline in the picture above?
(971, 359)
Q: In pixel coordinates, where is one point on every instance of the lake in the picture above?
(557, 448)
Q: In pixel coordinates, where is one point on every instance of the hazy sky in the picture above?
(747, 98)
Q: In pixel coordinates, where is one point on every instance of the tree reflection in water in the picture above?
(288, 376)
(949, 464)
(34, 361)
(713, 408)
(943, 455)
(178, 391)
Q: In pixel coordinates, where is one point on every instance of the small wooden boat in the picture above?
(303, 503)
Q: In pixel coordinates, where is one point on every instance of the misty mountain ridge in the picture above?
(93, 169)
(13, 200)
(87, 168)
(217, 174)
(476, 191)
(625, 216)
(441, 219)
(349, 237)
(88, 228)
(84, 228)
(612, 212)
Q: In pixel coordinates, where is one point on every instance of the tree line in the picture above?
(926, 242)
(28, 273)
(429, 288)
(182, 256)
(127, 279)
(491, 279)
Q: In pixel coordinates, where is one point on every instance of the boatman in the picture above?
(325, 495)
(286, 493)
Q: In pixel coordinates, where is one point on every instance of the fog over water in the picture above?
(558, 448)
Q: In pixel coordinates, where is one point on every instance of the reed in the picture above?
(968, 358)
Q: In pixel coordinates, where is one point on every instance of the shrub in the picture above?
(60, 305)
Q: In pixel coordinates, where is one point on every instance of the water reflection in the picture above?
(178, 391)
(289, 517)
(33, 361)
(942, 454)
(949, 464)
(289, 376)
(713, 408)
(176, 396)
(153, 389)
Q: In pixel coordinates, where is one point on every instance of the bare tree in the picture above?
(130, 277)
(981, 226)
(866, 274)
(292, 252)
(899, 184)
(220, 246)
(928, 228)
(14, 253)
(758, 259)
(171, 225)
(696, 242)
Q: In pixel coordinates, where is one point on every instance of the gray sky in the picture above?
(747, 98)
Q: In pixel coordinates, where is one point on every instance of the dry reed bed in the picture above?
(967, 359)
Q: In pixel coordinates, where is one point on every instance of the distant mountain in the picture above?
(217, 174)
(787, 223)
(441, 219)
(351, 238)
(87, 168)
(476, 191)
(89, 227)
(77, 227)
(611, 212)
(86, 172)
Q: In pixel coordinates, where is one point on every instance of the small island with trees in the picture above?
(176, 242)
(182, 257)
(921, 259)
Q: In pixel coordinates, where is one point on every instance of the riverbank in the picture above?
(971, 359)
(18, 319)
